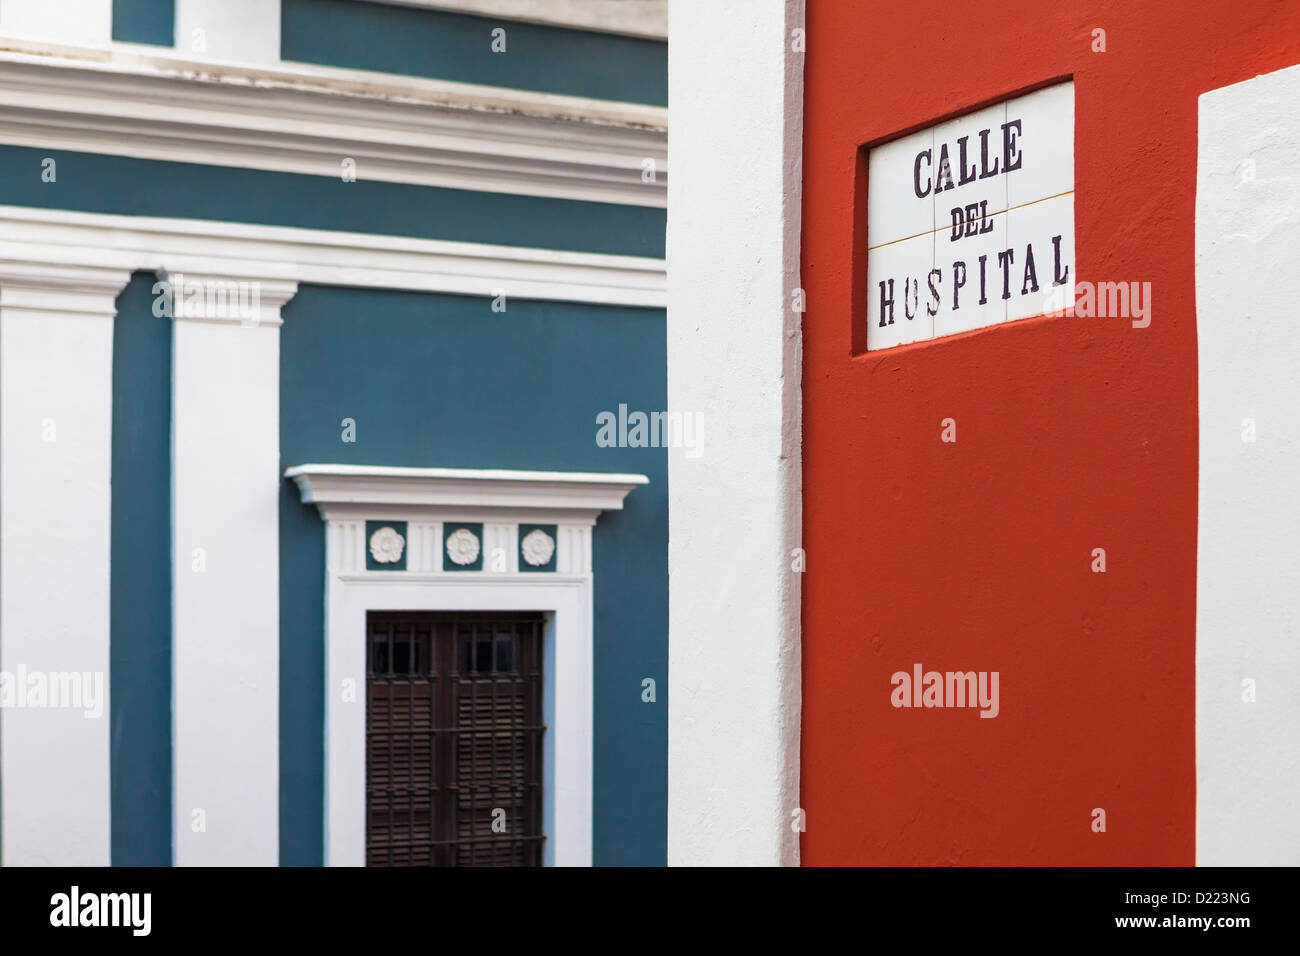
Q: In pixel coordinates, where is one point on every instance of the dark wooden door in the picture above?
(454, 739)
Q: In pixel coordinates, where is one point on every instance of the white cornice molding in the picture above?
(32, 239)
(59, 287)
(134, 101)
(351, 491)
(638, 18)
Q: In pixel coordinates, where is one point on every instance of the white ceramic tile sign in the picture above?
(971, 222)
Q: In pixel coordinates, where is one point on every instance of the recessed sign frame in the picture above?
(970, 222)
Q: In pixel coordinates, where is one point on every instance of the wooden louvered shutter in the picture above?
(454, 739)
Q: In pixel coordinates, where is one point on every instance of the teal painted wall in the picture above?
(145, 21)
(456, 46)
(441, 380)
(137, 187)
(140, 607)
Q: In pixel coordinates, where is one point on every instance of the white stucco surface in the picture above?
(239, 31)
(56, 412)
(225, 593)
(1248, 561)
(88, 22)
(734, 356)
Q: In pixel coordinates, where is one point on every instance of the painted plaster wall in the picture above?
(1248, 563)
(733, 356)
(1072, 434)
(144, 21)
(93, 182)
(140, 666)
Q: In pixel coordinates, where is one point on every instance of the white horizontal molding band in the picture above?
(36, 239)
(449, 493)
(638, 18)
(416, 579)
(133, 101)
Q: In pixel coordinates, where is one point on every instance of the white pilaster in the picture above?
(225, 494)
(56, 414)
(238, 31)
(71, 22)
(734, 356)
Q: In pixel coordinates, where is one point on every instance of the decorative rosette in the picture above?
(462, 547)
(386, 545)
(537, 548)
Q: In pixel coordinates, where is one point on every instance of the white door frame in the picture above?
(426, 498)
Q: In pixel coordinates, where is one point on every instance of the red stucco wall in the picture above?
(1072, 434)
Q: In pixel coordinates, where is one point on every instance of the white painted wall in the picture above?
(69, 22)
(239, 31)
(1248, 560)
(226, 624)
(734, 354)
(56, 410)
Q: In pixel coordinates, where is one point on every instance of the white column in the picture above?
(69, 22)
(239, 31)
(226, 628)
(56, 414)
(734, 356)
(1248, 541)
